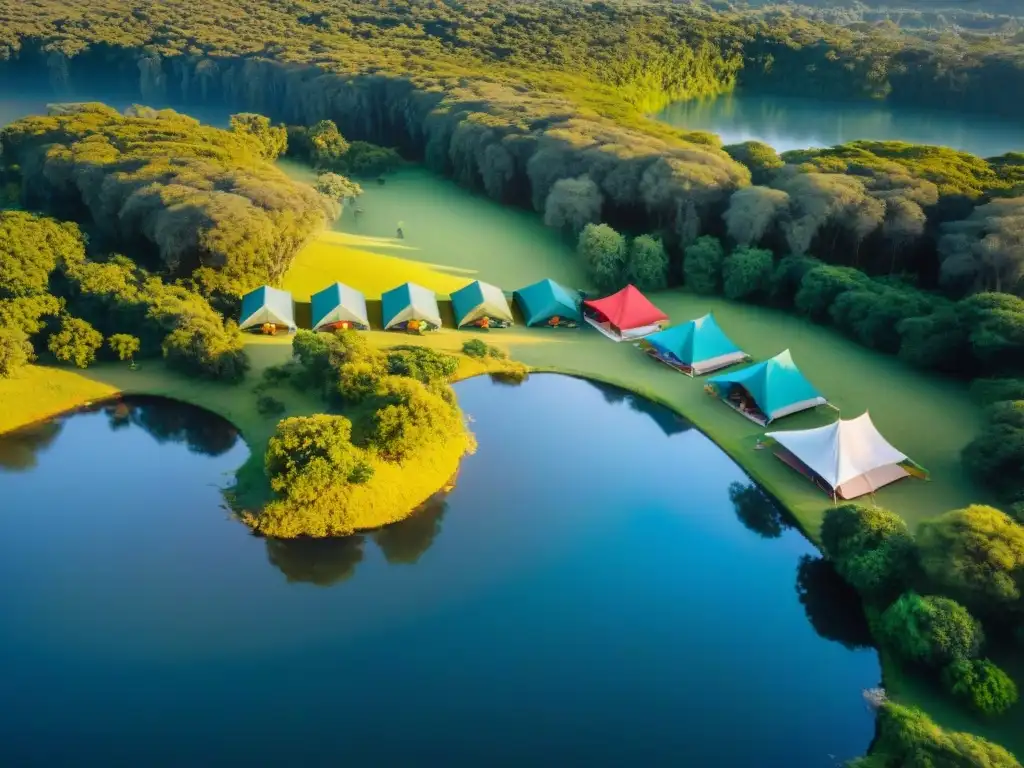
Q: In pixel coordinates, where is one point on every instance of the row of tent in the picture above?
(847, 459)
(477, 304)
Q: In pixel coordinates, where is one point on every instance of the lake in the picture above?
(602, 587)
(787, 122)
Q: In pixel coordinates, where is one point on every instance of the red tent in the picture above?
(626, 310)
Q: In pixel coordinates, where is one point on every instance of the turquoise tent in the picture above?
(477, 301)
(409, 302)
(267, 305)
(546, 300)
(338, 305)
(695, 348)
(776, 388)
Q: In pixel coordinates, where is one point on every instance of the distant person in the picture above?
(401, 234)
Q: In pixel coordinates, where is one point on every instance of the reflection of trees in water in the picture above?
(407, 540)
(670, 422)
(757, 511)
(19, 451)
(508, 380)
(316, 561)
(832, 606)
(171, 421)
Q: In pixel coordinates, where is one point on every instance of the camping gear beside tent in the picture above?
(481, 304)
(847, 458)
(695, 348)
(410, 304)
(338, 306)
(267, 306)
(626, 315)
(548, 303)
(767, 391)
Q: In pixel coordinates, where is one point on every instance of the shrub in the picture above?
(603, 252)
(871, 314)
(759, 157)
(702, 265)
(474, 348)
(871, 547)
(976, 555)
(990, 391)
(747, 273)
(411, 417)
(317, 353)
(15, 351)
(938, 341)
(307, 453)
(647, 266)
(275, 375)
(995, 458)
(269, 406)
(572, 204)
(360, 379)
(203, 347)
(821, 286)
(124, 345)
(496, 354)
(981, 685)
(787, 277)
(933, 631)
(76, 342)
(422, 363)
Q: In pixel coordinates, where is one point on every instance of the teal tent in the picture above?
(767, 391)
(548, 303)
(338, 306)
(695, 348)
(267, 305)
(410, 302)
(481, 304)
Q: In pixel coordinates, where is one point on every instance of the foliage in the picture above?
(995, 458)
(759, 157)
(422, 363)
(933, 631)
(337, 187)
(272, 140)
(872, 314)
(647, 264)
(327, 145)
(871, 548)
(204, 347)
(821, 287)
(269, 405)
(124, 345)
(572, 204)
(603, 252)
(360, 378)
(981, 685)
(702, 265)
(975, 555)
(30, 249)
(411, 417)
(746, 273)
(474, 348)
(787, 278)
(937, 341)
(985, 251)
(76, 342)
(365, 159)
(15, 351)
(753, 212)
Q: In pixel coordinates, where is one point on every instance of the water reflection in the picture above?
(19, 451)
(832, 606)
(670, 422)
(323, 562)
(405, 542)
(508, 380)
(171, 421)
(757, 511)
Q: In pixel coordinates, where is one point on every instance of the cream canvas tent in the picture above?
(848, 458)
(267, 305)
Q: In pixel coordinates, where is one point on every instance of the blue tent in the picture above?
(409, 302)
(267, 305)
(336, 305)
(776, 387)
(695, 348)
(477, 301)
(547, 299)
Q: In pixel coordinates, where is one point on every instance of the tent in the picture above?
(481, 304)
(849, 458)
(624, 315)
(695, 348)
(548, 303)
(407, 303)
(338, 306)
(267, 305)
(767, 391)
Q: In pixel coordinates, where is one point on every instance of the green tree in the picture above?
(308, 453)
(702, 265)
(977, 556)
(759, 157)
(327, 145)
(572, 204)
(788, 275)
(124, 346)
(366, 159)
(603, 252)
(753, 212)
(204, 347)
(337, 187)
(422, 363)
(359, 379)
(76, 342)
(938, 341)
(995, 458)
(934, 631)
(981, 685)
(15, 351)
(272, 140)
(410, 417)
(747, 272)
(821, 287)
(871, 548)
(647, 264)
(30, 249)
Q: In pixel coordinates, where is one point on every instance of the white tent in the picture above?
(851, 456)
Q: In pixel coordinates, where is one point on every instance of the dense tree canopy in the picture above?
(934, 631)
(871, 548)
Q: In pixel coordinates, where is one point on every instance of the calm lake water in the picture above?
(787, 122)
(587, 595)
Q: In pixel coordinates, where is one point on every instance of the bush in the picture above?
(821, 286)
(871, 314)
(422, 363)
(474, 348)
(318, 354)
(981, 685)
(15, 351)
(276, 375)
(871, 548)
(647, 266)
(360, 379)
(411, 417)
(76, 342)
(205, 348)
(308, 453)
(788, 275)
(269, 406)
(759, 157)
(124, 345)
(603, 253)
(995, 458)
(990, 391)
(938, 341)
(977, 556)
(747, 273)
(702, 265)
(933, 631)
